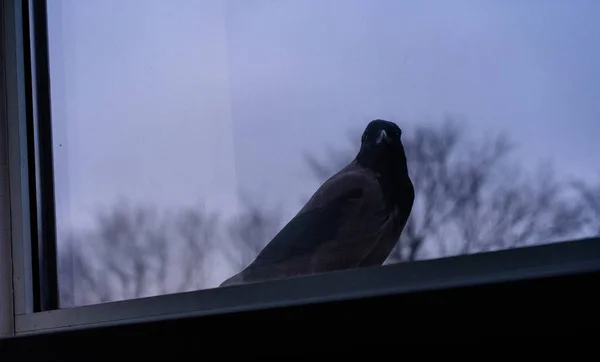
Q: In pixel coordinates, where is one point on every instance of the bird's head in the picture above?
(381, 145)
(381, 136)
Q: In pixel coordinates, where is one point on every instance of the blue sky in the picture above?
(177, 102)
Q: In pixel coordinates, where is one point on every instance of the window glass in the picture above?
(188, 133)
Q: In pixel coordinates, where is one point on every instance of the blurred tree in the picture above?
(137, 252)
(249, 233)
(470, 196)
(589, 194)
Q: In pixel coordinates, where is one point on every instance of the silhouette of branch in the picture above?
(589, 194)
(249, 233)
(470, 197)
(137, 252)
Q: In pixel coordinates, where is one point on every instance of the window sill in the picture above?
(558, 259)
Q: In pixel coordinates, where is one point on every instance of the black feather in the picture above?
(307, 231)
(370, 201)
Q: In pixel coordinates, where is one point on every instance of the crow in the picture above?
(353, 220)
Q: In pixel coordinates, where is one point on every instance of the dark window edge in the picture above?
(530, 263)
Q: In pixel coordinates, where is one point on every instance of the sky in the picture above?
(179, 102)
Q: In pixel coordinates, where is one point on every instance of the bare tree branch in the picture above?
(137, 252)
(249, 233)
(470, 197)
(589, 194)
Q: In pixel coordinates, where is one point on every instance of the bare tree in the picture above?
(136, 252)
(589, 195)
(250, 232)
(470, 196)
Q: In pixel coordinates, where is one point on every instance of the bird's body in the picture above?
(353, 220)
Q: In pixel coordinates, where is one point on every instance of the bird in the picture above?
(353, 220)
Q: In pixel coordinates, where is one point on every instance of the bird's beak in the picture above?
(382, 137)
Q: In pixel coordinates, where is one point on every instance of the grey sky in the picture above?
(175, 102)
(527, 67)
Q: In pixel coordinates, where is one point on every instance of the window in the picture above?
(157, 148)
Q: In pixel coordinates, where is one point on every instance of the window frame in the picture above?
(41, 164)
(35, 312)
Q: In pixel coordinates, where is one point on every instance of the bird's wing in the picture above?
(391, 228)
(406, 206)
(321, 218)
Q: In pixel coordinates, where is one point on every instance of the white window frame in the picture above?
(17, 316)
